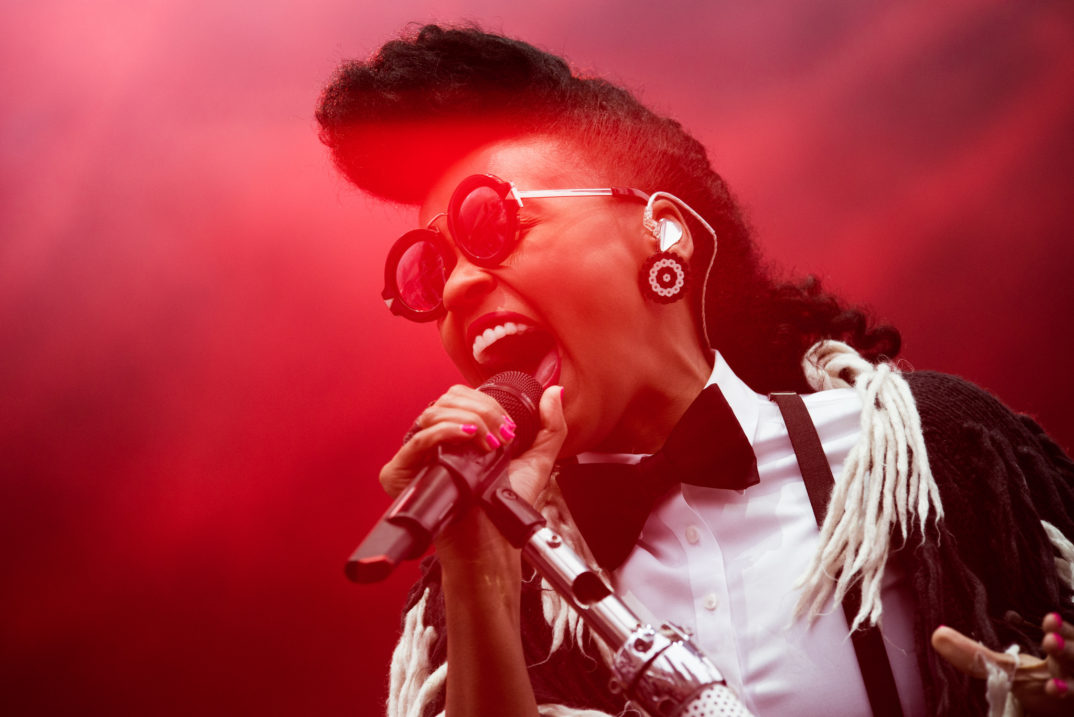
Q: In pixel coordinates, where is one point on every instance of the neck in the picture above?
(657, 407)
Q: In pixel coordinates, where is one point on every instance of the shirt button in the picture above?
(710, 602)
(693, 535)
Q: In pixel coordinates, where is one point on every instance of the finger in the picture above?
(1057, 687)
(462, 404)
(414, 454)
(1060, 654)
(1054, 644)
(1034, 697)
(1044, 698)
(463, 398)
(459, 415)
(1054, 622)
(968, 655)
(490, 435)
(1058, 644)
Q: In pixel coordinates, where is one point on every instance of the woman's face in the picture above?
(565, 306)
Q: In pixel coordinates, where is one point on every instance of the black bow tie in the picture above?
(610, 502)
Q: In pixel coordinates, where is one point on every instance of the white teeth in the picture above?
(490, 336)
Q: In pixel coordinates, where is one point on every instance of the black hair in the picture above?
(424, 101)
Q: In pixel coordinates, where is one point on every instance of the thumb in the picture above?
(553, 425)
(530, 471)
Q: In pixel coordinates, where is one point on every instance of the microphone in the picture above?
(444, 489)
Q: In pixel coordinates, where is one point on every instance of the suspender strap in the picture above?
(868, 641)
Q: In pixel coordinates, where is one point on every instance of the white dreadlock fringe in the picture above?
(885, 483)
(411, 684)
(564, 711)
(1001, 702)
(1064, 562)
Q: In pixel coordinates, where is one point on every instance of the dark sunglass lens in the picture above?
(482, 224)
(420, 276)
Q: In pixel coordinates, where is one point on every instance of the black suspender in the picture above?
(868, 642)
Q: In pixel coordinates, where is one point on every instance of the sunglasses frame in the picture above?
(505, 190)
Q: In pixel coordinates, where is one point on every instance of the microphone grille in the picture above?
(519, 394)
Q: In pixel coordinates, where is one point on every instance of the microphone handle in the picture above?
(442, 492)
(446, 488)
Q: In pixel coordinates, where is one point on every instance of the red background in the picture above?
(198, 381)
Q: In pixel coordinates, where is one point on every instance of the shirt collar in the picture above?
(742, 399)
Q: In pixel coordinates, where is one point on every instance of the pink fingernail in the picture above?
(507, 432)
(561, 394)
(1060, 685)
(1058, 620)
(1059, 640)
(510, 422)
(492, 440)
(468, 428)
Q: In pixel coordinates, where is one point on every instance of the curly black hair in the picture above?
(424, 101)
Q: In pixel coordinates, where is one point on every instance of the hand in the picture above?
(1041, 686)
(463, 414)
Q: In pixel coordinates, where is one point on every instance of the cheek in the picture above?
(594, 282)
(601, 314)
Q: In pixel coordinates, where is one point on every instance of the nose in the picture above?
(466, 284)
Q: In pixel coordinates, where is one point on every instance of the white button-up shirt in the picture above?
(725, 565)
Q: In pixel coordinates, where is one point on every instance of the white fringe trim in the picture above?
(886, 482)
(563, 711)
(1064, 563)
(1001, 703)
(411, 684)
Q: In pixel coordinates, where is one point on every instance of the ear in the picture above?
(666, 229)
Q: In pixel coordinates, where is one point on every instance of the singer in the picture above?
(567, 231)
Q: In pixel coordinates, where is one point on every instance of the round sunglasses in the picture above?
(482, 217)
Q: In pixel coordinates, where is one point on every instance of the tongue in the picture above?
(547, 370)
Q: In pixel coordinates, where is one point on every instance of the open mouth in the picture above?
(517, 346)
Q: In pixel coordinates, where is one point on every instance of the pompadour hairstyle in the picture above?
(396, 122)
